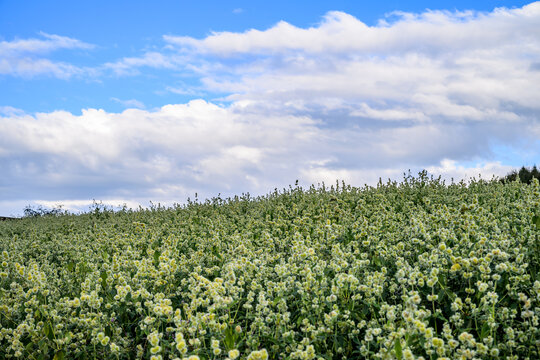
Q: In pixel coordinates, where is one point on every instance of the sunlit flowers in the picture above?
(418, 270)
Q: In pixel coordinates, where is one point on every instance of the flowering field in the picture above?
(413, 270)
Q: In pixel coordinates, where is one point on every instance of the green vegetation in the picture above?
(419, 269)
(525, 175)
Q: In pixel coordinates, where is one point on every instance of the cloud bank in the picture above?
(438, 65)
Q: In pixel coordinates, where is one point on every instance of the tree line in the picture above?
(525, 175)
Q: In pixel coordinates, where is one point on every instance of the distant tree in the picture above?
(525, 175)
(535, 173)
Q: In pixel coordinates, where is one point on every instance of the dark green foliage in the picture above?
(525, 175)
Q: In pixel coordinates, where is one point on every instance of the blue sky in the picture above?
(132, 101)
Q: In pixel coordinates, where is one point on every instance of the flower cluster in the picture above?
(415, 270)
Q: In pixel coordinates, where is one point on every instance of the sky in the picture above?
(139, 103)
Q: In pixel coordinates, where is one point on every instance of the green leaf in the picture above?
(43, 345)
(71, 266)
(103, 276)
(157, 254)
(216, 253)
(442, 279)
(230, 338)
(49, 332)
(536, 221)
(397, 348)
(59, 355)
(485, 331)
(29, 347)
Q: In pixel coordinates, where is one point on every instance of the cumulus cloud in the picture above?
(436, 66)
(438, 63)
(25, 57)
(429, 32)
(170, 153)
(415, 90)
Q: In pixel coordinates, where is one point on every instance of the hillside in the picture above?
(409, 270)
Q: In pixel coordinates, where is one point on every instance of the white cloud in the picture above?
(165, 154)
(30, 67)
(130, 65)
(432, 66)
(131, 103)
(170, 153)
(450, 169)
(39, 46)
(24, 57)
(10, 111)
(428, 32)
(185, 90)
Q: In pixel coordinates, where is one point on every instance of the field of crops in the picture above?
(413, 270)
